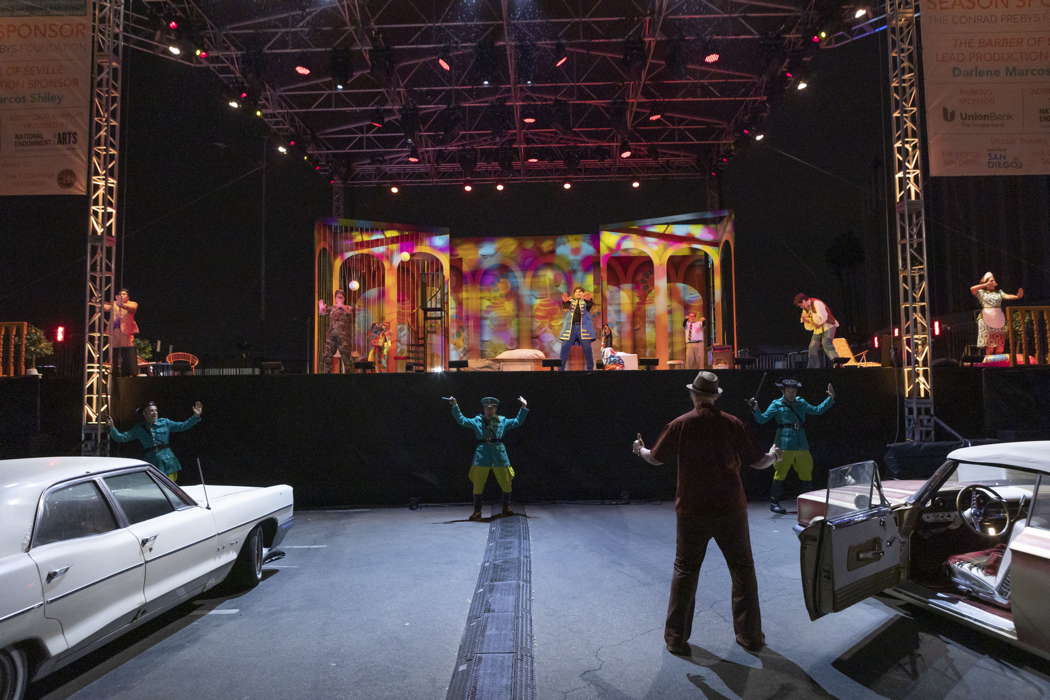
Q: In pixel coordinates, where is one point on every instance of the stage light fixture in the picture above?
(60, 334)
(413, 154)
(499, 187)
(936, 327)
(378, 118)
(712, 57)
(875, 341)
(532, 158)
(174, 49)
(445, 58)
(528, 119)
(823, 35)
(561, 55)
(354, 285)
(258, 112)
(655, 114)
(802, 85)
(173, 25)
(468, 188)
(860, 12)
(566, 185)
(282, 149)
(625, 149)
(201, 53)
(302, 70)
(405, 256)
(759, 136)
(635, 184)
(234, 104)
(394, 189)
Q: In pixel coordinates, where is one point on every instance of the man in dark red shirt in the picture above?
(710, 447)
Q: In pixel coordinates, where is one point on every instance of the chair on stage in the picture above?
(844, 351)
(182, 362)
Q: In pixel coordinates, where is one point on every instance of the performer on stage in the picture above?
(379, 336)
(607, 336)
(122, 331)
(154, 434)
(577, 326)
(817, 317)
(490, 456)
(695, 348)
(991, 322)
(340, 328)
(789, 415)
(709, 447)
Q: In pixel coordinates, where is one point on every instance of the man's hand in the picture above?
(321, 305)
(638, 445)
(1020, 293)
(753, 403)
(198, 408)
(523, 402)
(564, 296)
(778, 454)
(831, 390)
(109, 422)
(450, 399)
(587, 296)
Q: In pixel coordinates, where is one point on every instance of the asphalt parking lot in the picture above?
(373, 604)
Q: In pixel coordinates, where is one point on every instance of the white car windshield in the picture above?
(988, 475)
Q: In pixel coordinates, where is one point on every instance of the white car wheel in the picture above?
(14, 674)
(247, 570)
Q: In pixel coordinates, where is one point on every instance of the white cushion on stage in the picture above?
(520, 360)
(629, 361)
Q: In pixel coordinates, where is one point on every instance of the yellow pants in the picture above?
(799, 460)
(480, 475)
(174, 476)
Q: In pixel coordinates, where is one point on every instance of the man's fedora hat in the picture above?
(705, 383)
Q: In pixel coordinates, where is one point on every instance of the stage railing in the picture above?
(13, 348)
(1028, 329)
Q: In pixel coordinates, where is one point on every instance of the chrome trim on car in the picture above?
(94, 583)
(16, 613)
(256, 519)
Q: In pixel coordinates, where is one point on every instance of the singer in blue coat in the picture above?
(577, 327)
(154, 434)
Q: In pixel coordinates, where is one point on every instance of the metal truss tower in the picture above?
(913, 288)
(108, 50)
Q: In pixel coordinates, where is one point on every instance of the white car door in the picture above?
(177, 538)
(854, 555)
(91, 570)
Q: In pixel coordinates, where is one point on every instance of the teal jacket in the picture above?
(156, 436)
(788, 415)
(489, 454)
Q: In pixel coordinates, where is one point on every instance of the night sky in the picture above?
(192, 187)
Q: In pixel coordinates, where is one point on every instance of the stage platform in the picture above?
(373, 605)
(373, 439)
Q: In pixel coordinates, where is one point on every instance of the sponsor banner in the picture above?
(986, 70)
(45, 96)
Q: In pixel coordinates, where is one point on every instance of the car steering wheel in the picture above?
(983, 510)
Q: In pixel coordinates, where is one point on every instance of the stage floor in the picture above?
(373, 604)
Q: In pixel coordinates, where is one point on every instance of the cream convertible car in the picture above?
(971, 542)
(91, 547)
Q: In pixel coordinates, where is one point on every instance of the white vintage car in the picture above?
(91, 547)
(971, 542)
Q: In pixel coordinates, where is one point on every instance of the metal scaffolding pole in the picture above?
(913, 288)
(108, 45)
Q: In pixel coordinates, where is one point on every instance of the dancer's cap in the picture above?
(490, 401)
(784, 383)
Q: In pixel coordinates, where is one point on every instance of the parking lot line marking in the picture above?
(217, 611)
(304, 546)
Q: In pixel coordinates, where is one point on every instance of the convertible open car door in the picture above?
(853, 555)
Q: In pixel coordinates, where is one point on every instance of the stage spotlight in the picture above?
(445, 58)
(378, 119)
(532, 158)
(802, 85)
(560, 54)
(499, 187)
(625, 149)
(354, 285)
(467, 188)
(301, 70)
(860, 12)
(759, 137)
(60, 334)
(174, 49)
(234, 104)
(635, 184)
(201, 53)
(173, 25)
(282, 149)
(413, 154)
(258, 112)
(405, 256)
(712, 57)
(655, 114)
(394, 189)
(566, 185)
